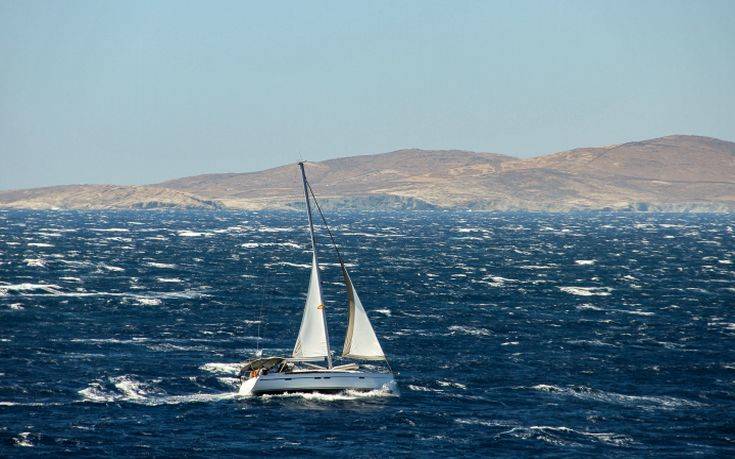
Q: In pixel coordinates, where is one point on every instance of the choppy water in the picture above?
(612, 334)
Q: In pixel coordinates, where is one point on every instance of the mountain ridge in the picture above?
(676, 173)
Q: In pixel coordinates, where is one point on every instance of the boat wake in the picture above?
(128, 389)
(338, 397)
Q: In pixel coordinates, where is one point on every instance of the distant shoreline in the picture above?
(669, 174)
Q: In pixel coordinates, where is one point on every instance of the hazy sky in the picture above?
(138, 92)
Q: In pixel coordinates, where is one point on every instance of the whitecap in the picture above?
(640, 401)
(566, 436)
(473, 331)
(187, 233)
(154, 264)
(168, 280)
(451, 384)
(110, 230)
(35, 262)
(288, 263)
(341, 396)
(143, 301)
(587, 291)
(584, 262)
(70, 279)
(23, 440)
(273, 229)
(39, 244)
(416, 388)
(111, 268)
(29, 287)
(95, 393)
(488, 423)
(222, 368)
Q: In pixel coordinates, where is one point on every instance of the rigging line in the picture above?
(326, 226)
(336, 249)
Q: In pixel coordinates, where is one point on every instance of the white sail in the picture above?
(312, 340)
(360, 342)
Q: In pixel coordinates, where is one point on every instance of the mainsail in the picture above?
(360, 342)
(312, 340)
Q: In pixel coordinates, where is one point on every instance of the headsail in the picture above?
(360, 342)
(312, 340)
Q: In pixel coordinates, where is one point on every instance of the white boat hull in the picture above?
(317, 381)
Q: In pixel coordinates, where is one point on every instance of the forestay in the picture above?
(360, 342)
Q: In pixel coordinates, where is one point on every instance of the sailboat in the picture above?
(311, 368)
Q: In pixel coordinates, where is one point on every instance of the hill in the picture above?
(668, 173)
(102, 197)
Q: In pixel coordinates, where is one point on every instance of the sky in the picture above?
(134, 92)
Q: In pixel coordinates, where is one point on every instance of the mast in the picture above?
(313, 248)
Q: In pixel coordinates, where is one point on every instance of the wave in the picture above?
(110, 230)
(134, 340)
(20, 289)
(35, 262)
(585, 262)
(639, 401)
(451, 384)
(552, 266)
(188, 233)
(486, 423)
(591, 342)
(253, 245)
(416, 388)
(566, 436)
(143, 301)
(222, 368)
(70, 279)
(273, 229)
(587, 291)
(341, 396)
(24, 439)
(473, 331)
(116, 269)
(128, 389)
(155, 264)
(39, 244)
(33, 290)
(370, 234)
(288, 263)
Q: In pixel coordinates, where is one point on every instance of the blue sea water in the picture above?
(510, 334)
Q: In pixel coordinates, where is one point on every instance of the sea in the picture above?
(510, 334)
